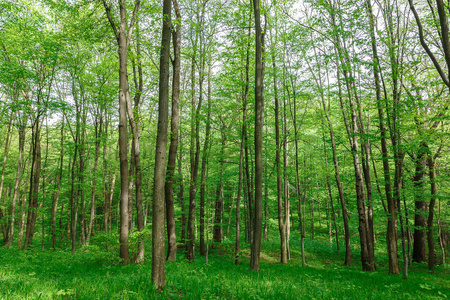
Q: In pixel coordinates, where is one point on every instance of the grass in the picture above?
(92, 273)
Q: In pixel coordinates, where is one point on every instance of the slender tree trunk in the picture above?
(170, 211)
(259, 110)
(123, 36)
(98, 133)
(5, 157)
(34, 183)
(391, 236)
(158, 253)
(82, 153)
(281, 223)
(241, 152)
(432, 173)
(218, 229)
(181, 191)
(203, 172)
(194, 159)
(16, 185)
(420, 224)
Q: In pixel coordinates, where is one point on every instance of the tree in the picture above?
(259, 112)
(158, 260)
(123, 37)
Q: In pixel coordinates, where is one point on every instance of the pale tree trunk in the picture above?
(98, 133)
(170, 211)
(181, 190)
(22, 219)
(58, 187)
(106, 178)
(194, 159)
(241, 152)
(41, 206)
(136, 159)
(218, 229)
(203, 172)
(281, 223)
(17, 183)
(123, 37)
(259, 110)
(81, 172)
(158, 242)
(73, 200)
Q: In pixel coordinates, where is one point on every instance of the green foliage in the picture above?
(91, 273)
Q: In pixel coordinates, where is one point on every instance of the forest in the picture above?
(224, 149)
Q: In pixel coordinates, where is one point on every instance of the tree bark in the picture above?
(391, 236)
(123, 37)
(432, 174)
(58, 187)
(259, 110)
(158, 262)
(16, 184)
(34, 183)
(170, 211)
(203, 172)
(420, 224)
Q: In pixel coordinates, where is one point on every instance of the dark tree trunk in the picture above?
(158, 253)
(34, 183)
(432, 173)
(391, 236)
(420, 223)
(259, 112)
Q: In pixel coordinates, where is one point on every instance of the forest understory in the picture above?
(94, 272)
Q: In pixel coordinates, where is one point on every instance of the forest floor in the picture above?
(93, 273)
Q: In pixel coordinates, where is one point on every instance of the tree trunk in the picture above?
(158, 253)
(203, 172)
(432, 173)
(259, 110)
(5, 157)
(391, 236)
(181, 191)
(170, 211)
(98, 133)
(123, 36)
(194, 159)
(17, 183)
(420, 224)
(218, 229)
(281, 223)
(34, 183)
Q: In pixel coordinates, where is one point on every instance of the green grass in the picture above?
(96, 274)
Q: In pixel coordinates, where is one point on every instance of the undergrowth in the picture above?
(94, 272)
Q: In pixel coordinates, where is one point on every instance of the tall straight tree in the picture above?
(391, 236)
(158, 262)
(259, 110)
(170, 211)
(123, 37)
